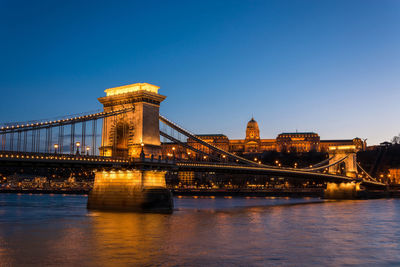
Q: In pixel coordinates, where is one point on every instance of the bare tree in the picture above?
(396, 139)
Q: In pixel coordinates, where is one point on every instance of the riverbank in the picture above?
(312, 192)
(294, 193)
(44, 191)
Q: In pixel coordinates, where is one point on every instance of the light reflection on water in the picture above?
(58, 230)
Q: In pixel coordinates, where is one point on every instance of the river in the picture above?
(58, 230)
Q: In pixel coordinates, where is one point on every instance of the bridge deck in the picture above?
(13, 158)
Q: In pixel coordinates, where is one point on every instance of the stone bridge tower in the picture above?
(338, 152)
(124, 135)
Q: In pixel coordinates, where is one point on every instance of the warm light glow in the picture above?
(132, 88)
(78, 144)
(55, 146)
(342, 147)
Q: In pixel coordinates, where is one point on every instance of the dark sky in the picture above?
(332, 67)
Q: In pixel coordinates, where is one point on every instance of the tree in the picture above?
(396, 139)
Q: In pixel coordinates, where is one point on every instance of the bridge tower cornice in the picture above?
(131, 98)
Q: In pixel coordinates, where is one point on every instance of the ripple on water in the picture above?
(58, 230)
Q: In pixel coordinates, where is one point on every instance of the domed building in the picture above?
(252, 130)
(252, 141)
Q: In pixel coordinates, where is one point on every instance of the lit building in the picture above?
(297, 142)
(394, 175)
(252, 143)
(284, 142)
(219, 140)
(360, 144)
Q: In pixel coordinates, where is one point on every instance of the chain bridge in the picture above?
(121, 144)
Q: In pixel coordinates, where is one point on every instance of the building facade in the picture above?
(252, 143)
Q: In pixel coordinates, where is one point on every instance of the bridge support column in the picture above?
(342, 191)
(131, 190)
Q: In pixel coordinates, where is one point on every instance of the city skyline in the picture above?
(329, 68)
(200, 133)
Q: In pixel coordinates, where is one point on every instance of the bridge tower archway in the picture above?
(349, 153)
(126, 134)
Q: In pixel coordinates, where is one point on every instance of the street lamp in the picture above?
(55, 148)
(78, 144)
(173, 152)
(87, 150)
(142, 155)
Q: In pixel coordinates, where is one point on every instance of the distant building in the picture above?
(298, 142)
(252, 143)
(394, 176)
(385, 144)
(284, 142)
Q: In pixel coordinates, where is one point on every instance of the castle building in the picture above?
(298, 142)
(284, 142)
(252, 143)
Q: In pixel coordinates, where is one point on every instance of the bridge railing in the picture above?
(12, 155)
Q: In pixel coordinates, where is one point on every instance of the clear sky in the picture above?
(332, 67)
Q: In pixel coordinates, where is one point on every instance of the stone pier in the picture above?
(342, 191)
(131, 190)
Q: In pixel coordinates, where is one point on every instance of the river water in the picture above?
(58, 230)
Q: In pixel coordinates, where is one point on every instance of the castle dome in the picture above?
(252, 130)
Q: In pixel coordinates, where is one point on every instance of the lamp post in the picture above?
(55, 148)
(142, 155)
(87, 150)
(78, 144)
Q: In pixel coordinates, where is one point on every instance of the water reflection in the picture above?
(137, 238)
(202, 231)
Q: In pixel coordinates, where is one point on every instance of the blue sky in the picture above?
(332, 67)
